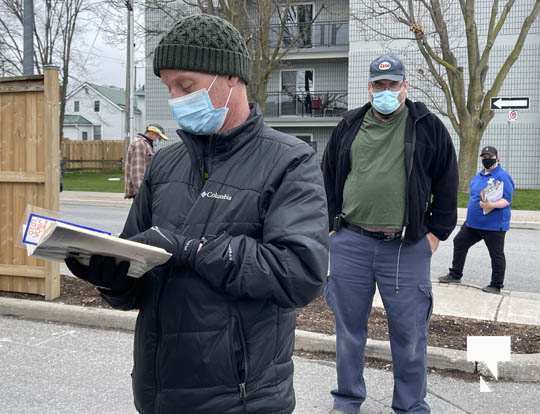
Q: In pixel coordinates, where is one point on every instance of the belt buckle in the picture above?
(389, 236)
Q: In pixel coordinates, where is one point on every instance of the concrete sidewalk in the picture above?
(468, 301)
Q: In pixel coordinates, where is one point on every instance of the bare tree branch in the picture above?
(494, 28)
(508, 63)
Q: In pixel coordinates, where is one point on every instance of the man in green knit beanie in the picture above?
(242, 210)
(205, 53)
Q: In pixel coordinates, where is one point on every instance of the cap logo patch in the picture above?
(384, 65)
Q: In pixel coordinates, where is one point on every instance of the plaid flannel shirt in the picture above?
(138, 157)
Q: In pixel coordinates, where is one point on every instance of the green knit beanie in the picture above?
(203, 43)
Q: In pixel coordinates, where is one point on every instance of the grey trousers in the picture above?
(357, 263)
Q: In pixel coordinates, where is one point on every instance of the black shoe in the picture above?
(491, 289)
(449, 279)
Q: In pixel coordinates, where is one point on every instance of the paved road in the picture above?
(522, 249)
(107, 217)
(57, 368)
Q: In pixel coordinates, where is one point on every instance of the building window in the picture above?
(85, 136)
(76, 106)
(97, 132)
(296, 90)
(96, 106)
(299, 26)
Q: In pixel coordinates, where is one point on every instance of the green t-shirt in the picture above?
(374, 193)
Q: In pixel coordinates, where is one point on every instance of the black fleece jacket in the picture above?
(431, 171)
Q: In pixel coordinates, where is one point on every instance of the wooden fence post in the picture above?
(29, 174)
(52, 166)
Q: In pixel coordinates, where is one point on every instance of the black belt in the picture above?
(379, 235)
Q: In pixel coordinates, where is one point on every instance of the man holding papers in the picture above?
(242, 209)
(488, 219)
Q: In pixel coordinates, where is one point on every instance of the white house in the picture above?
(95, 112)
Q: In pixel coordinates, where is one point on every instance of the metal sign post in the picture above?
(512, 117)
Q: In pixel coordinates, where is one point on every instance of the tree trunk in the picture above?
(469, 143)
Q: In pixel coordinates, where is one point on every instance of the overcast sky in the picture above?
(103, 60)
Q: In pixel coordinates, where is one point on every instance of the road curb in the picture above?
(97, 202)
(59, 312)
(522, 367)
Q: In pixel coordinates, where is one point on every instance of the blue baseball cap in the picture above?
(388, 67)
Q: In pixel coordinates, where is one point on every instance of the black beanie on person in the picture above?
(203, 43)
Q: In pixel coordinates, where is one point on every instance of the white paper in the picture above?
(492, 193)
(60, 240)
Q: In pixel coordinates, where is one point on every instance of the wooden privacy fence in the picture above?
(92, 155)
(29, 174)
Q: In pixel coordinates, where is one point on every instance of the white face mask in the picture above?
(196, 114)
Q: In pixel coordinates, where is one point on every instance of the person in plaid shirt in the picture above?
(138, 156)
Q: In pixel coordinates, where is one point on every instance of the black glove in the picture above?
(183, 250)
(103, 271)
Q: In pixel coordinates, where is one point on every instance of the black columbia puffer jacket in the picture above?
(219, 338)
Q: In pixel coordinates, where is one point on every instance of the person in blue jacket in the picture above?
(488, 219)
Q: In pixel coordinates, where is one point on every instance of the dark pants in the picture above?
(494, 240)
(358, 264)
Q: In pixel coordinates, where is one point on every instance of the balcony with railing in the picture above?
(306, 36)
(307, 105)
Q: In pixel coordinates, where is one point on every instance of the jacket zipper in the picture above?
(243, 380)
(207, 159)
(158, 231)
(409, 173)
(407, 179)
(158, 343)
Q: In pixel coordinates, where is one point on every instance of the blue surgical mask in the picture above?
(386, 102)
(196, 114)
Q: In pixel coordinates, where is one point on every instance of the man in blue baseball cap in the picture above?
(391, 180)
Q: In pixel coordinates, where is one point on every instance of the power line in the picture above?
(94, 41)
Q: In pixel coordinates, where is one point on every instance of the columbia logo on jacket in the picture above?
(210, 194)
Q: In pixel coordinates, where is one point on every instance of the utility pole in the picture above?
(28, 19)
(130, 76)
(132, 85)
(136, 88)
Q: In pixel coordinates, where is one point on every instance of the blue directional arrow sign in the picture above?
(509, 103)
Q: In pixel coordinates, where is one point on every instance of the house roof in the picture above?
(76, 120)
(114, 94)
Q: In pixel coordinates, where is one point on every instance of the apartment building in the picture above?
(308, 93)
(325, 73)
